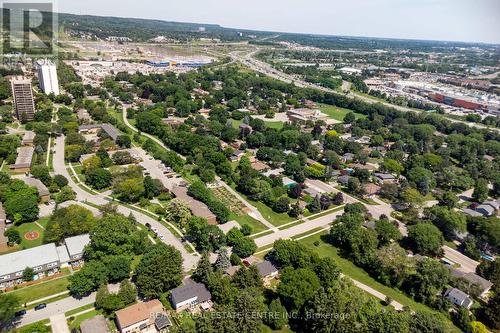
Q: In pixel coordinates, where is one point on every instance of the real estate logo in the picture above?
(28, 28)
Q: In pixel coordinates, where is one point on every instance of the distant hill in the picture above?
(144, 29)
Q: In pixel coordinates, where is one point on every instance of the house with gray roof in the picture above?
(75, 246)
(42, 259)
(189, 295)
(474, 280)
(43, 191)
(458, 298)
(267, 269)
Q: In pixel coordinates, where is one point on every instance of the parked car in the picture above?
(154, 230)
(161, 237)
(20, 313)
(40, 306)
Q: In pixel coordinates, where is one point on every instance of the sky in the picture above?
(451, 20)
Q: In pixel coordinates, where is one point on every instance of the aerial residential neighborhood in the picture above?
(158, 176)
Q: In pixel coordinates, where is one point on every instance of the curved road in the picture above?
(82, 196)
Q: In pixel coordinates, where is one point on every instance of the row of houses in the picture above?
(152, 317)
(45, 260)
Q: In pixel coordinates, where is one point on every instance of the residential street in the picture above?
(298, 229)
(55, 308)
(190, 260)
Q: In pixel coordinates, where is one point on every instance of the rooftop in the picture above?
(36, 256)
(76, 244)
(24, 157)
(138, 312)
(28, 137)
(266, 268)
(41, 188)
(190, 290)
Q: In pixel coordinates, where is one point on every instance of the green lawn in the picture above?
(271, 124)
(246, 219)
(29, 227)
(266, 211)
(336, 112)
(348, 268)
(75, 323)
(44, 289)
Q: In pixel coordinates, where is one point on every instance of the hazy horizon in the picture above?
(439, 20)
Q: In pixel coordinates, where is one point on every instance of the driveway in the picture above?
(59, 324)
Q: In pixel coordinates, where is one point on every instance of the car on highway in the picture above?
(20, 313)
(40, 306)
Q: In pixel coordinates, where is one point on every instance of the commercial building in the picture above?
(44, 260)
(190, 295)
(303, 115)
(24, 104)
(143, 317)
(47, 76)
(23, 160)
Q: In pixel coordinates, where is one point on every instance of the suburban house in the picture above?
(96, 324)
(348, 157)
(458, 298)
(267, 271)
(23, 160)
(385, 178)
(473, 279)
(237, 155)
(190, 295)
(43, 191)
(143, 317)
(371, 189)
(45, 260)
(487, 208)
(259, 166)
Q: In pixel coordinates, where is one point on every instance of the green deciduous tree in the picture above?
(159, 270)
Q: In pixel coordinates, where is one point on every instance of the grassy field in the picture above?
(336, 112)
(29, 227)
(271, 124)
(348, 268)
(75, 323)
(246, 219)
(41, 290)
